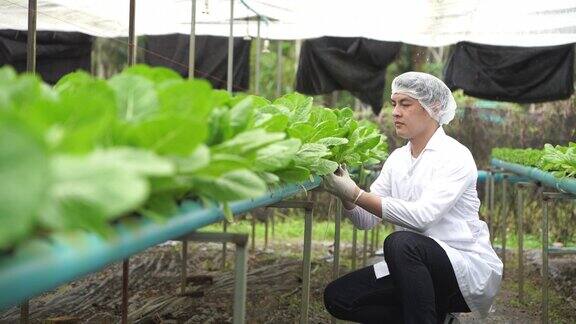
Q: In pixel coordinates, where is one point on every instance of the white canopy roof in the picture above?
(420, 22)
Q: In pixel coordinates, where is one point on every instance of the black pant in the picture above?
(421, 287)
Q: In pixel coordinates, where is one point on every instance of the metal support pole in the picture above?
(192, 48)
(365, 249)
(279, 62)
(224, 245)
(372, 240)
(258, 53)
(503, 219)
(520, 225)
(31, 36)
(253, 238)
(266, 233)
(337, 219)
(240, 267)
(544, 259)
(125, 275)
(354, 244)
(297, 47)
(230, 71)
(377, 235)
(184, 264)
(306, 265)
(132, 40)
(492, 219)
(273, 223)
(240, 273)
(25, 313)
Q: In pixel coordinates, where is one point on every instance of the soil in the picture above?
(274, 280)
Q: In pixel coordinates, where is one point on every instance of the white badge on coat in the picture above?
(381, 269)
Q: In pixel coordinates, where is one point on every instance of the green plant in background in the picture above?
(527, 157)
(90, 151)
(559, 160)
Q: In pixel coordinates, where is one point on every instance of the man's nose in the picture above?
(396, 112)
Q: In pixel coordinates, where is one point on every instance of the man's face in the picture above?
(410, 118)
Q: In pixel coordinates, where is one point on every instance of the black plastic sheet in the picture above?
(516, 74)
(354, 64)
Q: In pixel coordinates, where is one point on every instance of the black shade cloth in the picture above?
(57, 53)
(516, 74)
(346, 63)
(211, 60)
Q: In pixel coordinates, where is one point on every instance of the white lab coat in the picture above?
(435, 195)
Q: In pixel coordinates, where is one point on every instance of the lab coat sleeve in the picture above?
(438, 197)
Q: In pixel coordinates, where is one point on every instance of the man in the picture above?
(439, 259)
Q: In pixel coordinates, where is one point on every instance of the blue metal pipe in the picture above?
(498, 176)
(42, 265)
(546, 178)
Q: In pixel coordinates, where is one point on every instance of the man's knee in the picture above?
(330, 300)
(399, 243)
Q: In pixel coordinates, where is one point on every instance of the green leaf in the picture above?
(293, 174)
(323, 167)
(221, 163)
(157, 75)
(227, 211)
(189, 98)
(86, 187)
(302, 131)
(324, 129)
(135, 96)
(25, 178)
(277, 155)
(248, 141)
(299, 105)
(160, 206)
(199, 159)
(84, 115)
(332, 141)
(241, 114)
(269, 178)
(141, 162)
(169, 134)
(231, 186)
(271, 123)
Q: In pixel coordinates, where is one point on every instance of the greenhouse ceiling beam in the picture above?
(546, 178)
(230, 74)
(42, 265)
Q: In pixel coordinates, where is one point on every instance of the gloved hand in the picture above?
(340, 184)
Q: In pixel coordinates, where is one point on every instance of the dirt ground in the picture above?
(274, 280)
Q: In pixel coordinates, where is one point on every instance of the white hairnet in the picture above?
(430, 91)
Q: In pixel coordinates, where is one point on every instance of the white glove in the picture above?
(341, 184)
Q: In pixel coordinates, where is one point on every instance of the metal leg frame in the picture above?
(125, 297)
(548, 197)
(224, 246)
(336, 264)
(365, 249)
(253, 238)
(240, 268)
(503, 220)
(308, 207)
(520, 233)
(354, 244)
(25, 312)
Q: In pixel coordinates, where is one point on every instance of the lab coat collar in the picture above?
(434, 143)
